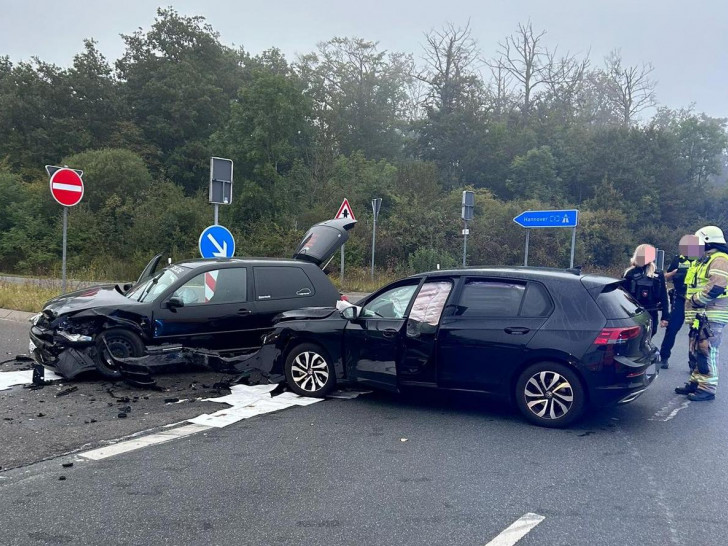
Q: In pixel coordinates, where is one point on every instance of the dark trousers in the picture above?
(677, 317)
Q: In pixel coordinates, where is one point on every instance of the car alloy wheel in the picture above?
(550, 394)
(308, 371)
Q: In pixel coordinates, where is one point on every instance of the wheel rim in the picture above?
(549, 395)
(120, 347)
(310, 371)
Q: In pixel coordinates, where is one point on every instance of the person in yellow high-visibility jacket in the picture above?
(707, 313)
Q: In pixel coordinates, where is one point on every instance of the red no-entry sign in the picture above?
(66, 187)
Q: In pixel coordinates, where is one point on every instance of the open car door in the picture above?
(150, 269)
(323, 240)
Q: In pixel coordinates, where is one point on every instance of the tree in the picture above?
(359, 96)
(629, 89)
(178, 82)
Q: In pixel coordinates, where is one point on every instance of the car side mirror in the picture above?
(350, 313)
(174, 302)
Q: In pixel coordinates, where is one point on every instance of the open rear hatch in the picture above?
(323, 240)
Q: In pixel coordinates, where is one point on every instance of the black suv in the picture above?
(552, 341)
(218, 304)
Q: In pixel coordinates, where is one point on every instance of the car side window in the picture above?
(427, 308)
(537, 302)
(486, 298)
(282, 282)
(227, 285)
(390, 304)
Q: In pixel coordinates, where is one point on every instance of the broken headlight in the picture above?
(74, 337)
(35, 318)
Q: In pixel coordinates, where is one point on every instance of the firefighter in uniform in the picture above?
(707, 313)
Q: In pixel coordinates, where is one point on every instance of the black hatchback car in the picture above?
(225, 305)
(551, 341)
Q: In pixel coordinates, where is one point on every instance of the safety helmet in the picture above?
(710, 235)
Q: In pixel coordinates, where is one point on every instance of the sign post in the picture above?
(67, 189)
(221, 183)
(376, 205)
(344, 212)
(549, 219)
(467, 215)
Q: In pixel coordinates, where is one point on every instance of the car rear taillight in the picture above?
(610, 336)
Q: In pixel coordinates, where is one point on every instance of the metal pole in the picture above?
(65, 238)
(465, 242)
(342, 264)
(374, 242)
(573, 243)
(217, 207)
(525, 259)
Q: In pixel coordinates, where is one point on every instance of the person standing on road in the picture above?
(707, 313)
(647, 285)
(676, 271)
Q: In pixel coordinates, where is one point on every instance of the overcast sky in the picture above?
(687, 42)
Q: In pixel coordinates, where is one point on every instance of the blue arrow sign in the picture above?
(217, 242)
(547, 218)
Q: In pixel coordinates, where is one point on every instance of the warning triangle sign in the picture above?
(345, 211)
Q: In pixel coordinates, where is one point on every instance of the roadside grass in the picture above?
(359, 279)
(29, 296)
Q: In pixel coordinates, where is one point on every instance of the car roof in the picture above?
(523, 272)
(230, 262)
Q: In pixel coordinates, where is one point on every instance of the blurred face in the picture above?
(645, 255)
(690, 246)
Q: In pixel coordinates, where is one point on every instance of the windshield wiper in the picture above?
(148, 289)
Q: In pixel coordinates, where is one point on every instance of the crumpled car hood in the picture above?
(104, 295)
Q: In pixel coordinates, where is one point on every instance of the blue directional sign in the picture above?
(547, 218)
(217, 242)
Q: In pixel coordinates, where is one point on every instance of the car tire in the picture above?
(309, 371)
(550, 394)
(122, 344)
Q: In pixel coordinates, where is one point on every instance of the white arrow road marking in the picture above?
(517, 530)
(67, 187)
(221, 250)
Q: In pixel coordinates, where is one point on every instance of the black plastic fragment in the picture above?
(67, 391)
(67, 465)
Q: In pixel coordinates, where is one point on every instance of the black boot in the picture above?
(690, 387)
(701, 396)
(664, 364)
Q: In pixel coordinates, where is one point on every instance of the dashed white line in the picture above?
(517, 530)
(145, 441)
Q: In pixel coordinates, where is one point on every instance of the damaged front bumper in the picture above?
(63, 356)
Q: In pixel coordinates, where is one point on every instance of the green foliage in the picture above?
(348, 120)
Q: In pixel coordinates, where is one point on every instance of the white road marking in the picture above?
(25, 377)
(67, 187)
(669, 411)
(138, 443)
(517, 530)
(246, 402)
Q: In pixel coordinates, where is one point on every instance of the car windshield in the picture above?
(151, 288)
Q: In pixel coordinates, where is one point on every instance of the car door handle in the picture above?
(390, 332)
(244, 312)
(516, 330)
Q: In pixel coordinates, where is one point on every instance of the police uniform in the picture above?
(707, 313)
(680, 265)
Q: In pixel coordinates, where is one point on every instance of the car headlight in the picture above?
(76, 338)
(35, 318)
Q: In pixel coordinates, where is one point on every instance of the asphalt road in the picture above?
(380, 469)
